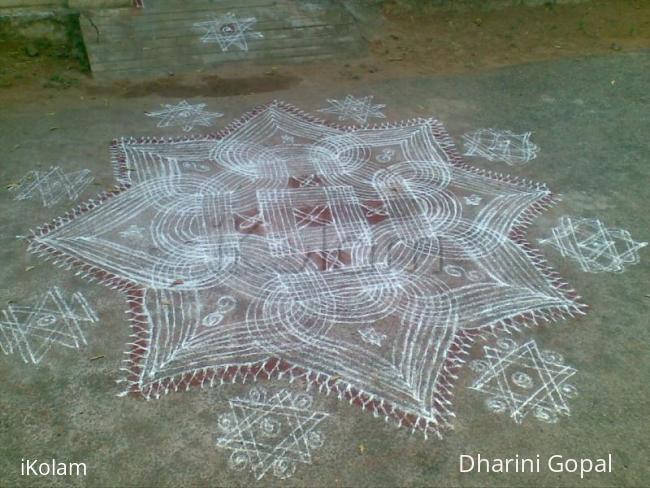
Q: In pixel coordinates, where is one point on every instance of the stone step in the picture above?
(260, 11)
(158, 6)
(279, 10)
(156, 71)
(264, 20)
(174, 7)
(324, 34)
(161, 38)
(155, 31)
(209, 59)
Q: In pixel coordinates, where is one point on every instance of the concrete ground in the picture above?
(590, 119)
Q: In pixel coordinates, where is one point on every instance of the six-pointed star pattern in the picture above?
(358, 109)
(520, 379)
(271, 432)
(229, 30)
(30, 331)
(594, 246)
(313, 265)
(185, 115)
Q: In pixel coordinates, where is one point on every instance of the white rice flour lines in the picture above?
(285, 247)
(595, 247)
(184, 115)
(52, 186)
(359, 110)
(229, 30)
(271, 432)
(31, 330)
(505, 146)
(521, 379)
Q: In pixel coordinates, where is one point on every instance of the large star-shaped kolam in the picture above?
(287, 247)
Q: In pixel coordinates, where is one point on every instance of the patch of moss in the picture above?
(77, 45)
(15, 43)
(60, 82)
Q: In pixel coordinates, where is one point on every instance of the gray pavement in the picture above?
(589, 117)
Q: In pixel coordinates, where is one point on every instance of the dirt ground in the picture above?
(577, 76)
(411, 42)
(440, 41)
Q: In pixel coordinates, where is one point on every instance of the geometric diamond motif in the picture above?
(32, 330)
(270, 432)
(506, 146)
(313, 219)
(596, 248)
(520, 379)
(52, 185)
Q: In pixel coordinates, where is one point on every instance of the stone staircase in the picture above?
(175, 36)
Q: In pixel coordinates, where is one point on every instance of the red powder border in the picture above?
(276, 367)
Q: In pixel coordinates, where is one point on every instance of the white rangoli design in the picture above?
(371, 336)
(287, 139)
(505, 146)
(359, 110)
(31, 330)
(386, 155)
(520, 379)
(229, 30)
(184, 115)
(595, 247)
(307, 267)
(473, 200)
(271, 432)
(53, 185)
(134, 231)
